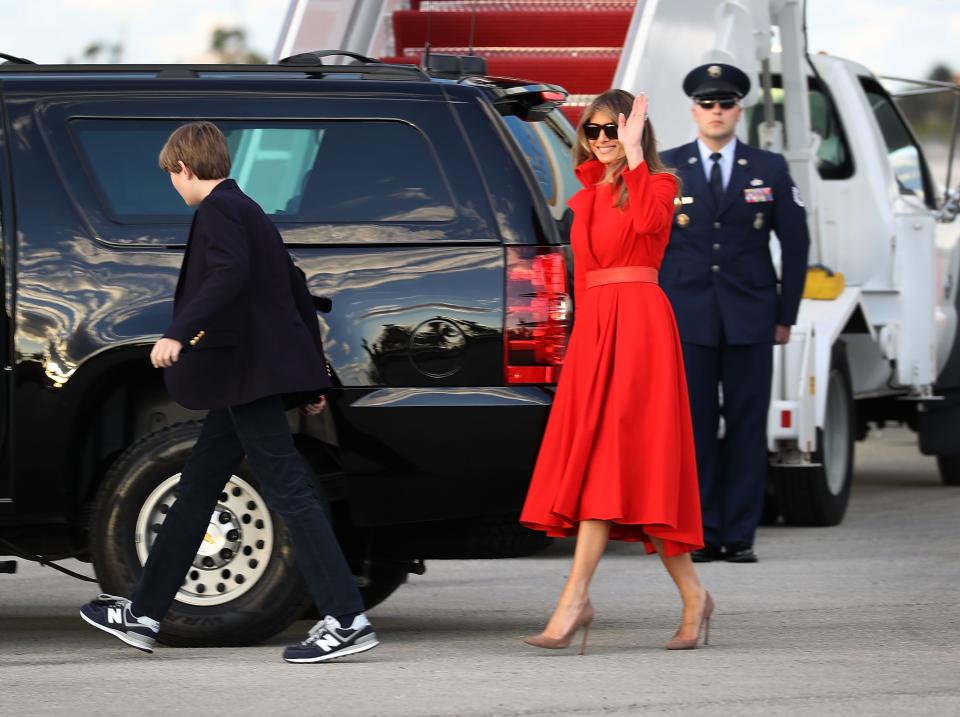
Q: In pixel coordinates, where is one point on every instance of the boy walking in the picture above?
(244, 333)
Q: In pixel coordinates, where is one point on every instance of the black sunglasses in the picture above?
(725, 104)
(592, 131)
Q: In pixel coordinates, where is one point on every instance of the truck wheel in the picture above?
(244, 585)
(949, 469)
(818, 495)
(771, 506)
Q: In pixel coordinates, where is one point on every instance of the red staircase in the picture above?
(572, 44)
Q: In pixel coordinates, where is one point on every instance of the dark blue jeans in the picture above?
(258, 430)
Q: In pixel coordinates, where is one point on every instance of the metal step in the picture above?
(495, 28)
(524, 5)
(576, 45)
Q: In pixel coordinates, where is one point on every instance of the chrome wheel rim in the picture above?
(235, 550)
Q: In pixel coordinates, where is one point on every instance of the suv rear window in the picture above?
(330, 171)
(550, 154)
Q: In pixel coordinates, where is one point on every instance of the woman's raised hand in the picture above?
(630, 130)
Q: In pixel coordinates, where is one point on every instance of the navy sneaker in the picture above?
(112, 614)
(328, 640)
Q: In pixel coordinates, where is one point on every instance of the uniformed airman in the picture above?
(730, 308)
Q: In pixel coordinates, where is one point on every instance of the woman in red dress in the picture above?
(617, 460)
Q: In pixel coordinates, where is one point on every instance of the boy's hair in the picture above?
(199, 145)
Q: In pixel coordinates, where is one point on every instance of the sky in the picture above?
(891, 37)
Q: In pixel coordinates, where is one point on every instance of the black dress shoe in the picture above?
(740, 554)
(707, 554)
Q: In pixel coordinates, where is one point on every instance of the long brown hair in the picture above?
(613, 103)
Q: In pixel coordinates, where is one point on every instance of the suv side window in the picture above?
(903, 153)
(833, 155)
(330, 171)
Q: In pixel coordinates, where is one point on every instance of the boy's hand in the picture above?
(312, 409)
(165, 353)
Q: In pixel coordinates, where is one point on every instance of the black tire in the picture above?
(949, 467)
(273, 602)
(818, 495)
(771, 507)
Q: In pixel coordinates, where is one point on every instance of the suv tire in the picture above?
(278, 595)
(949, 467)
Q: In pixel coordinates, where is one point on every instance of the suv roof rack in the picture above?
(15, 60)
(511, 96)
(309, 63)
(315, 57)
(167, 71)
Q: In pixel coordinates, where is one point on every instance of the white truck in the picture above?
(882, 343)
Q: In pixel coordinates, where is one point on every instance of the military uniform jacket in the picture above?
(241, 310)
(717, 270)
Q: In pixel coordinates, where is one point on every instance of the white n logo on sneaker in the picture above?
(328, 642)
(115, 614)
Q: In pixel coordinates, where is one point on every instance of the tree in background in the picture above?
(100, 51)
(229, 45)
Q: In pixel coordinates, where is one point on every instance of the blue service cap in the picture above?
(716, 80)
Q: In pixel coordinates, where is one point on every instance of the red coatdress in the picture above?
(619, 441)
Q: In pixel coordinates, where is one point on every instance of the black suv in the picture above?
(427, 209)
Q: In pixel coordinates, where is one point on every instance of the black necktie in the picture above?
(716, 178)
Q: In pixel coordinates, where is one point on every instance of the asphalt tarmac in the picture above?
(858, 619)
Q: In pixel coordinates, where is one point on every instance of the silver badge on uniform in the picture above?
(758, 221)
(742, 162)
(796, 197)
(692, 160)
(756, 182)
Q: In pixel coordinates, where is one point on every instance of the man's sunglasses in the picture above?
(725, 104)
(592, 131)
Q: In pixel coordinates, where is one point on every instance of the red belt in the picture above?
(621, 275)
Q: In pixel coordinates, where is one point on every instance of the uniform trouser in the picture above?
(732, 472)
(260, 431)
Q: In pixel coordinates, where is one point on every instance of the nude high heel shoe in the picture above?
(558, 643)
(678, 644)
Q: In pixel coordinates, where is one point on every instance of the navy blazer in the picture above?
(242, 311)
(717, 270)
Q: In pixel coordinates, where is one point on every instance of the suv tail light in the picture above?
(537, 316)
